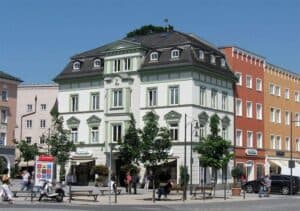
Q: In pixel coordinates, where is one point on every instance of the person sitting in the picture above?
(164, 189)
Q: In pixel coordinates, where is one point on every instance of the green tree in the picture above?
(155, 144)
(59, 142)
(27, 151)
(129, 155)
(214, 150)
(149, 29)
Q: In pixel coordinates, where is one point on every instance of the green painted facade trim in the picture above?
(118, 114)
(81, 112)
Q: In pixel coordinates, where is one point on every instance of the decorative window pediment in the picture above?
(225, 122)
(73, 122)
(172, 116)
(93, 121)
(155, 116)
(203, 118)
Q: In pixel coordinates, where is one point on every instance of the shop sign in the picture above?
(251, 152)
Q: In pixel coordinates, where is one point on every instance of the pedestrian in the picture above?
(135, 181)
(268, 182)
(6, 192)
(146, 181)
(25, 180)
(128, 182)
(164, 189)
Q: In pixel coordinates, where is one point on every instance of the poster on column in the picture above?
(44, 169)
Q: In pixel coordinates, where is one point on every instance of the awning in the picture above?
(78, 161)
(284, 165)
(24, 163)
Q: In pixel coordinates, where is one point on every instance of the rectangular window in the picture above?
(297, 119)
(152, 96)
(117, 65)
(272, 114)
(174, 95)
(259, 111)
(258, 84)
(29, 123)
(95, 101)
(287, 118)
(202, 131)
(43, 107)
(74, 103)
(174, 131)
(117, 98)
(4, 116)
(239, 107)
(224, 101)
(42, 139)
(4, 95)
(202, 96)
(297, 144)
(127, 64)
(272, 89)
(297, 96)
(278, 116)
(259, 171)
(287, 143)
(214, 98)
(225, 133)
(117, 132)
(29, 107)
(277, 91)
(249, 109)
(239, 138)
(94, 134)
(272, 142)
(239, 79)
(2, 139)
(249, 139)
(43, 123)
(249, 81)
(74, 135)
(259, 140)
(287, 94)
(28, 140)
(278, 143)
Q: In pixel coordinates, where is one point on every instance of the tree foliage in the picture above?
(149, 29)
(28, 151)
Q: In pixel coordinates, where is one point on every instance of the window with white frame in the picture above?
(28, 139)
(2, 139)
(201, 54)
(272, 114)
(42, 139)
(239, 79)
(42, 123)
(224, 101)
(259, 140)
(76, 65)
(278, 143)
(127, 64)
(202, 96)
(29, 107)
(202, 130)
(278, 116)
(249, 139)
(116, 132)
(272, 142)
(214, 98)
(3, 116)
(249, 109)
(74, 135)
(29, 123)
(94, 134)
(74, 103)
(117, 65)
(174, 95)
(223, 62)
(4, 95)
(175, 54)
(117, 98)
(297, 96)
(259, 111)
(152, 96)
(287, 93)
(174, 131)
(287, 118)
(297, 119)
(298, 144)
(258, 84)
(95, 101)
(225, 133)
(154, 56)
(272, 89)
(43, 107)
(212, 59)
(97, 63)
(277, 91)
(239, 138)
(287, 143)
(239, 107)
(249, 81)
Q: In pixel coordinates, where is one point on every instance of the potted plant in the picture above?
(236, 173)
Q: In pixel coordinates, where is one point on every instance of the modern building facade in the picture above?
(173, 74)
(282, 119)
(8, 105)
(249, 110)
(33, 114)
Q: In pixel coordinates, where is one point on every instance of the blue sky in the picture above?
(37, 38)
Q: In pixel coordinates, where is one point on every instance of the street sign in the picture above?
(291, 164)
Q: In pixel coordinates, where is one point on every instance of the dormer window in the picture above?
(97, 63)
(76, 65)
(154, 56)
(175, 54)
(201, 55)
(212, 59)
(223, 62)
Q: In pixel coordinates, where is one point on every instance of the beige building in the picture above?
(33, 114)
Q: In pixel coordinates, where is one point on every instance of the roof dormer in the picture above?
(97, 63)
(76, 65)
(175, 53)
(154, 56)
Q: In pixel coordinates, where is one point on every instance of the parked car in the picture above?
(279, 184)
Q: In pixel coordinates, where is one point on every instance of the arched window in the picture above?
(76, 65)
(154, 56)
(175, 54)
(97, 63)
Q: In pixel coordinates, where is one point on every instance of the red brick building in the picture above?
(249, 99)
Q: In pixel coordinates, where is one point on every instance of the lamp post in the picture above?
(191, 154)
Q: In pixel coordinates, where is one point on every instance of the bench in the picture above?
(205, 191)
(88, 193)
(106, 190)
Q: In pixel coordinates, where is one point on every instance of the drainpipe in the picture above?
(25, 115)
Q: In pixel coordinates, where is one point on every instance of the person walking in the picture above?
(128, 182)
(6, 192)
(146, 181)
(25, 180)
(268, 182)
(135, 181)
